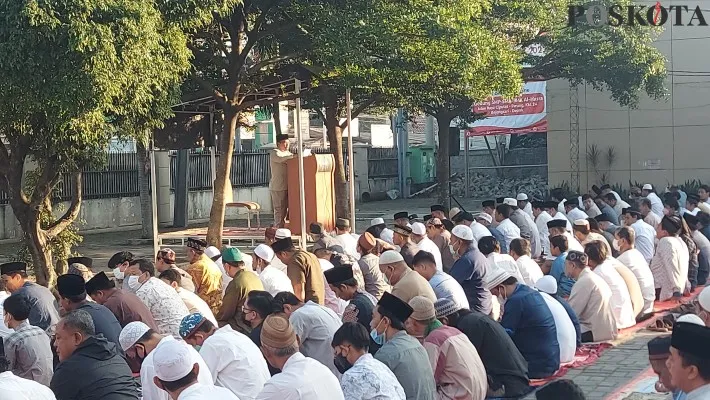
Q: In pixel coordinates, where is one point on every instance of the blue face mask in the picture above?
(378, 338)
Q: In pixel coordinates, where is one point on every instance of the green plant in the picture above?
(690, 186)
(601, 162)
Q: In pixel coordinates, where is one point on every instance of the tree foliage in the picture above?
(74, 74)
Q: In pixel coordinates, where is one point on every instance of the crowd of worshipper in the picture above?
(448, 306)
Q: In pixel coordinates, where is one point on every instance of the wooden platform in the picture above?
(230, 235)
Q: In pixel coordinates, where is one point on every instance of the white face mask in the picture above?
(118, 274)
(133, 283)
(615, 244)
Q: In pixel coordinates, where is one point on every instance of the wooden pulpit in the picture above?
(319, 189)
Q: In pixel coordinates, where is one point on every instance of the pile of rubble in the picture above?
(484, 186)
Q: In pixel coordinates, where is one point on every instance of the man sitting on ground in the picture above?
(689, 362)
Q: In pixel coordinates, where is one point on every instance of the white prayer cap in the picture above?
(510, 201)
(691, 318)
(453, 212)
(248, 260)
(282, 233)
(495, 277)
(131, 333)
(704, 299)
(485, 216)
(264, 252)
(418, 228)
(647, 186)
(173, 360)
(390, 257)
(463, 232)
(522, 197)
(212, 251)
(581, 222)
(377, 221)
(547, 284)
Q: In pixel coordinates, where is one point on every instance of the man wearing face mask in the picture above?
(163, 302)
(470, 269)
(142, 340)
(403, 354)
(529, 322)
(364, 377)
(118, 264)
(233, 359)
(273, 279)
(406, 283)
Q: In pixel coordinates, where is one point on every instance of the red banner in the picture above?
(526, 113)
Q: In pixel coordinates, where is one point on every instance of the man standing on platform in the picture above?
(278, 186)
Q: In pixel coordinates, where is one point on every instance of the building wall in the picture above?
(658, 142)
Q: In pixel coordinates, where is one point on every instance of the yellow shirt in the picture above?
(208, 281)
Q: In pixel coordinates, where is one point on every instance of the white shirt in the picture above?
(165, 304)
(575, 214)
(196, 305)
(315, 326)
(635, 261)
(566, 334)
(656, 204)
(4, 330)
(370, 379)
(621, 204)
(528, 210)
(645, 240)
(620, 297)
(529, 270)
(694, 212)
(15, 388)
(507, 263)
(206, 392)
(479, 231)
(652, 219)
(275, 280)
(332, 301)
(150, 391)
(278, 264)
(429, 246)
(509, 230)
(349, 245)
(561, 207)
(541, 222)
(302, 378)
(446, 287)
(235, 362)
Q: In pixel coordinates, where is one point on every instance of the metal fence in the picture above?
(382, 162)
(249, 169)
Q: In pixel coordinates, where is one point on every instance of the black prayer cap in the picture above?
(551, 204)
(395, 306)
(316, 228)
(466, 216)
(557, 223)
(281, 138)
(500, 200)
(488, 203)
(631, 211)
(603, 218)
(196, 243)
(438, 207)
(338, 275)
(448, 224)
(458, 217)
(13, 267)
(659, 346)
(85, 261)
(426, 218)
(401, 214)
(538, 204)
(413, 217)
(572, 202)
(98, 282)
(693, 197)
(282, 245)
(692, 339)
(690, 219)
(71, 285)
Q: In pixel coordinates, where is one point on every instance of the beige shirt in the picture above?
(632, 284)
(410, 285)
(591, 301)
(279, 169)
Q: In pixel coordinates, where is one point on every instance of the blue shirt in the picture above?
(564, 284)
(468, 271)
(529, 322)
(611, 213)
(572, 315)
(43, 312)
(500, 238)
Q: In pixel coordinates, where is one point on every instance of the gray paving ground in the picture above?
(616, 367)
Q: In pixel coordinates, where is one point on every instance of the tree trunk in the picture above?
(144, 190)
(36, 242)
(221, 184)
(335, 137)
(277, 118)
(443, 120)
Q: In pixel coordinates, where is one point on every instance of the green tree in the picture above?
(74, 74)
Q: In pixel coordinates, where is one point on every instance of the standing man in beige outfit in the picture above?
(278, 186)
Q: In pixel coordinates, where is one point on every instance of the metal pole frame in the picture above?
(154, 197)
(301, 177)
(574, 137)
(351, 169)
